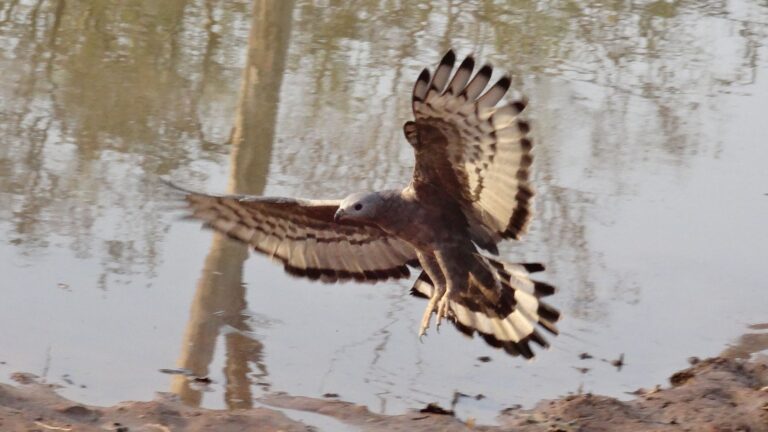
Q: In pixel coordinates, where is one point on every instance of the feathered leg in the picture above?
(432, 268)
(456, 279)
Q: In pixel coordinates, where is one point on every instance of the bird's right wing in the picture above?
(303, 236)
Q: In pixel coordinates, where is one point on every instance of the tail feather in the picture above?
(423, 287)
(505, 316)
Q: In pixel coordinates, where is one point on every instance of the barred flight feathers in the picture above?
(508, 320)
(304, 237)
(469, 190)
(477, 150)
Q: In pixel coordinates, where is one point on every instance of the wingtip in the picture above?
(468, 62)
(421, 86)
(520, 104)
(449, 57)
(533, 267)
(424, 75)
(524, 127)
(543, 289)
(505, 81)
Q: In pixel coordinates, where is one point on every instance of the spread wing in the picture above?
(303, 236)
(473, 148)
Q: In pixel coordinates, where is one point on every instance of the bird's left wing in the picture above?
(473, 146)
(303, 236)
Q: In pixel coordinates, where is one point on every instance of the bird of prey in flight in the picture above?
(470, 190)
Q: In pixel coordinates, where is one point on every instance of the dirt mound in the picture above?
(716, 395)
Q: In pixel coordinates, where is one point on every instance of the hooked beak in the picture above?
(339, 215)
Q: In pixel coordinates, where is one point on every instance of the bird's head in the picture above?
(359, 207)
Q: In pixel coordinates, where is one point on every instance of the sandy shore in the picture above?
(714, 395)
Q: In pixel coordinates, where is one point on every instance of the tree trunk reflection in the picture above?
(220, 295)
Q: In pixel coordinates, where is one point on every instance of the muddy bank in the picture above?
(717, 394)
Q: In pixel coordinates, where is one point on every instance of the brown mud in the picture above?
(718, 395)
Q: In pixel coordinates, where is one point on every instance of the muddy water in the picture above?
(650, 120)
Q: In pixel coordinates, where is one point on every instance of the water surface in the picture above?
(649, 119)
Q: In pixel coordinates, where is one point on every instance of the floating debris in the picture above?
(434, 408)
(330, 395)
(176, 371)
(618, 363)
(484, 359)
(585, 356)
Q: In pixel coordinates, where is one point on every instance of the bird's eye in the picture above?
(358, 206)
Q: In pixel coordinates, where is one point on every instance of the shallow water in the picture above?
(650, 124)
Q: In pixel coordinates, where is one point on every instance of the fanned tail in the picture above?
(505, 315)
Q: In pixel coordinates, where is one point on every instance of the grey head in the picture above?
(360, 207)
